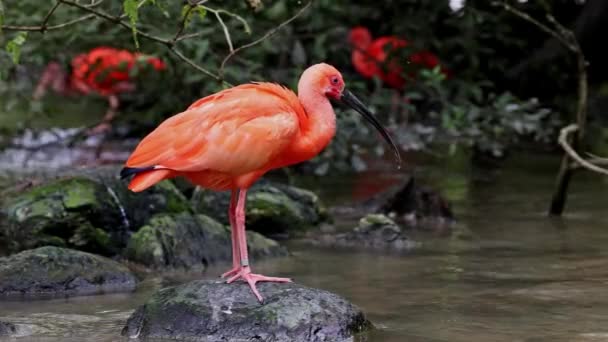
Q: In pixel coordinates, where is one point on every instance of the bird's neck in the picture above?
(318, 127)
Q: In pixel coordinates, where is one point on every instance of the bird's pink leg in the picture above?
(234, 233)
(107, 119)
(244, 271)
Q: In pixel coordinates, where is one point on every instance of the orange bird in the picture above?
(102, 70)
(369, 57)
(228, 140)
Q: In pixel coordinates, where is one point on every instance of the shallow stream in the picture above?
(507, 273)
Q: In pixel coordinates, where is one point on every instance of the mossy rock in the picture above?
(191, 241)
(50, 271)
(273, 209)
(89, 210)
(216, 311)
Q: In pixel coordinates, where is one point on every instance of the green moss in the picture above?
(145, 245)
(176, 201)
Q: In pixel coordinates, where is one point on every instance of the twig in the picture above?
(264, 37)
(45, 21)
(196, 66)
(40, 28)
(116, 20)
(535, 22)
(183, 22)
(226, 32)
(563, 141)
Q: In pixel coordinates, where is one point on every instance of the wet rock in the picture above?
(375, 231)
(415, 204)
(273, 209)
(90, 210)
(188, 241)
(59, 271)
(7, 329)
(215, 311)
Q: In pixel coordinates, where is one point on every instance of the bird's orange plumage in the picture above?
(228, 140)
(224, 140)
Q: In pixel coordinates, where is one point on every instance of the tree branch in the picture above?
(543, 27)
(48, 16)
(563, 141)
(264, 37)
(196, 66)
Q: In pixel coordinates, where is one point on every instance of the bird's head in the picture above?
(360, 37)
(327, 80)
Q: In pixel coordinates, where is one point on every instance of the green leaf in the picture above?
(202, 12)
(187, 14)
(13, 47)
(131, 10)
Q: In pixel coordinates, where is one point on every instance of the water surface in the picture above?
(508, 272)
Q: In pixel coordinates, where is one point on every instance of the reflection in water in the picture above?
(515, 275)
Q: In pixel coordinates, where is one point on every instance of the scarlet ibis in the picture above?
(369, 57)
(228, 140)
(103, 70)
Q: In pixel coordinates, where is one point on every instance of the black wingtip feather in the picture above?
(128, 171)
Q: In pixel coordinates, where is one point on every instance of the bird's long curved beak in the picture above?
(352, 101)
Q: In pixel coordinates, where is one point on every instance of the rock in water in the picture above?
(191, 241)
(215, 311)
(90, 210)
(417, 205)
(7, 329)
(375, 231)
(59, 271)
(273, 209)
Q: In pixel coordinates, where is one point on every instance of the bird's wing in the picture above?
(235, 131)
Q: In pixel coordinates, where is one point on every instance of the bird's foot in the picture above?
(245, 274)
(231, 272)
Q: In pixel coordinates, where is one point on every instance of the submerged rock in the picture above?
(273, 209)
(88, 210)
(215, 311)
(417, 205)
(59, 271)
(375, 231)
(7, 329)
(187, 241)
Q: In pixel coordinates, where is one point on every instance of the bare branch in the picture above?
(264, 37)
(48, 28)
(45, 21)
(196, 66)
(543, 27)
(563, 141)
(226, 32)
(116, 20)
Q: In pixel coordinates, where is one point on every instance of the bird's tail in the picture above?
(145, 177)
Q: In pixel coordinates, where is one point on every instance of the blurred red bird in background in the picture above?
(369, 57)
(103, 70)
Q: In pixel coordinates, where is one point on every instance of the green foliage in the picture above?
(478, 44)
(13, 47)
(131, 9)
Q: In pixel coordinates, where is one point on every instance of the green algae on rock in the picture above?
(216, 311)
(59, 271)
(273, 209)
(191, 241)
(90, 210)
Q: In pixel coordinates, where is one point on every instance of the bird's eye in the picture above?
(335, 80)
